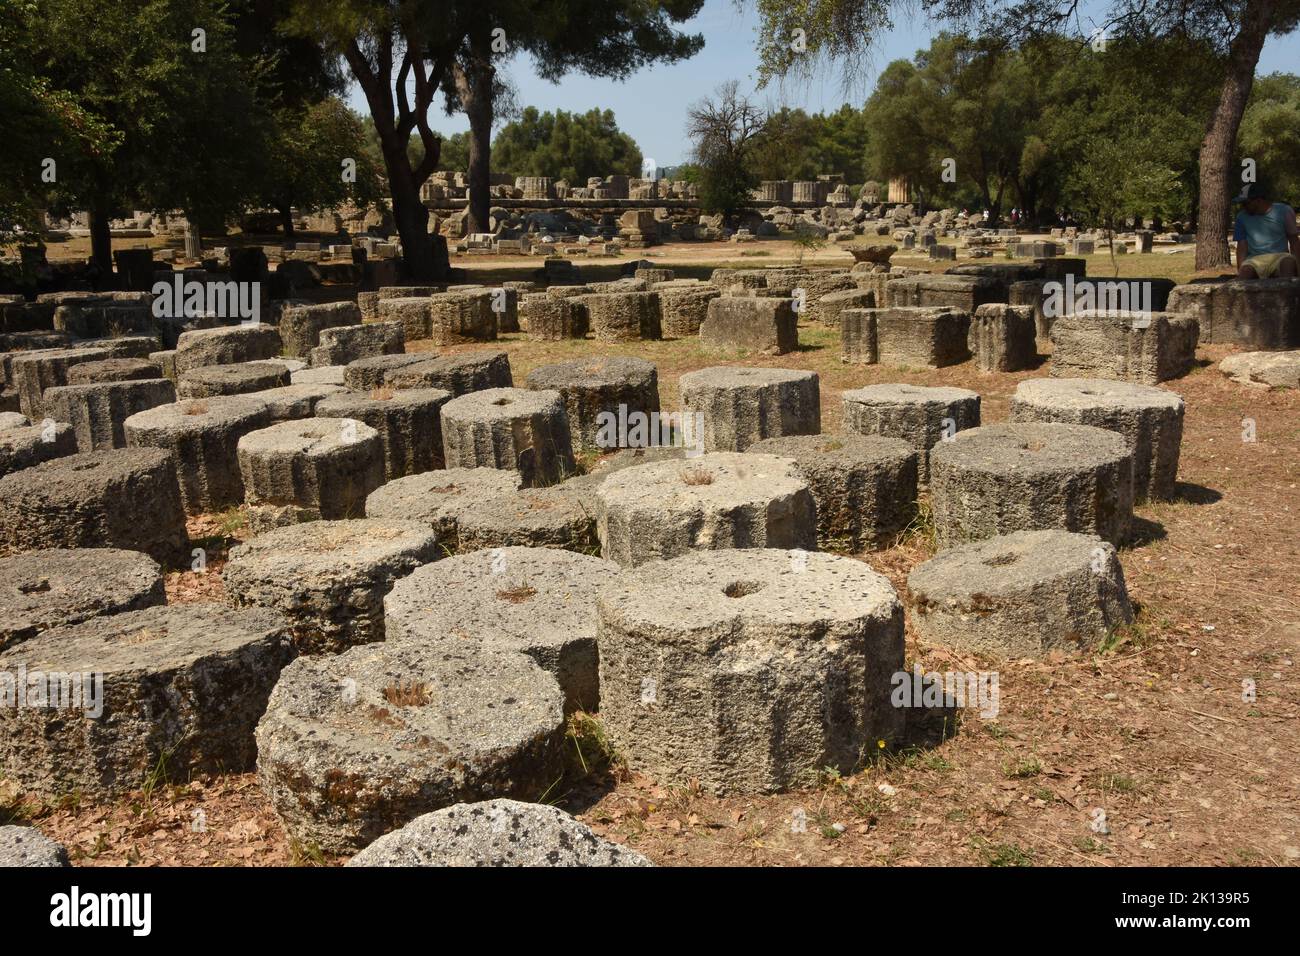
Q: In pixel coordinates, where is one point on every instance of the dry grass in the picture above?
(697, 476)
(382, 393)
(517, 594)
(404, 693)
(195, 408)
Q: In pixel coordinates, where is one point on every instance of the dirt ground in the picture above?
(1149, 751)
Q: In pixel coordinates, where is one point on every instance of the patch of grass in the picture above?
(406, 694)
(195, 408)
(1117, 783)
(697, 476)
(920, 531)
(1002, 854)
(382, 393)
(305, 854)
(1022, 769)
(591, 751)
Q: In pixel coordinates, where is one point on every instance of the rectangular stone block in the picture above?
(1128, 346)
(347, 343)
(411, 313)
(952, 291)
(922, 337)
(767, 325)
(1001, 338)
(858, 337)
(1259, 314)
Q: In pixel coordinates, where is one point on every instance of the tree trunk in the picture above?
(475, 82)
(411, 217)
(101, 246)
(1217, 182)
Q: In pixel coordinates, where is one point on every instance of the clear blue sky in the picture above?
(651, 105)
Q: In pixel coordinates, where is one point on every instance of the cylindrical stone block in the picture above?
(408, 422)
(510, 428)
(328, 578)
(550, 318)
(598, 394)
(459, 317)
(920, 415)
(438, 498)
(124, 498)
(202, 435)
(623, 316)
(721, 501)
(1149, 418)
(213, 381)
(1031, 477)
(684, 308)
(1022, 594)
(310, 469)
(97, 411)
(765, 664)
(458, 373)
(743, 405)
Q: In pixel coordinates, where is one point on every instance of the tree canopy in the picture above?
(563, 145)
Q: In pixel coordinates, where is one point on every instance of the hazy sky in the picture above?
(651, 105)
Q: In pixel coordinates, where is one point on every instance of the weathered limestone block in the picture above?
(1256, 314)
(1025, 476)
(510, 428)
(355, 745)
(310, 469)
(412, 314)
(328, 578)
(742, 405)
(363, 374)
(961, 293)
(623, 316)
(864, 487)
(27, 846)
(213, 381)
(31, 373)
(228, 345)
(459, 317)
(769, 664)
(832, 305)
(123, 498)
(182, 684)
(40, 590)
(536, 601)
(720, 501)
(922, 337)
(552, 517)
(114, 370)
(1264, 369)
(496, 833)
(290, 402)
(1129, 346)
(202, 436)
(1149, 418)
(1001, 338)
(684, 308)
(98, 411)
(301, 324)
(1022, 594)
(549, 318)
(438, 498)
(25, 445)
(458, 373)
(858, 337)
(596, 393)
(347, 343)
(767, 325)
(408, 422)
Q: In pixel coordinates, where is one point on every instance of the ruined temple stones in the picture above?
(922, 416)
(228, 345)
(724, 500)
(328, 578)
(308, 470)
(864, 487)
(1025, 476)
(1149, 418)
(26, 846)
(684, 308)
(40, 590)
(183, 686)
(552, 517)
(290, 402)
(347, 343)
(549, 318)
(213, 381)
(325, 375)
(459, 317)
(411, 314)
(31, 373)
(963, 293)
(768, 663)
(22, 446)
(597, 394)
(858, 336)
(113, 370)
(510, 428)
(623, 316)
(202, 436)
(1129, 346)
(1001, 338)
(830, 306)
(457, 373)
(537, 601)
(97, 411)
(742, 405)
(364, 374)
(1255, 313)
(1264, 369)
(122, 498)
(301, 324)
(407, 421)
(767, 325)
(1023, 594)
(419, 728)
(438, 498)
(496, 833)
(922, 337)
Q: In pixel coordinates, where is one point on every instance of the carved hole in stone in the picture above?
(504, 401)
(739, 589)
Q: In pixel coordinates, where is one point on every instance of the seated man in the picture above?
(1268, 240)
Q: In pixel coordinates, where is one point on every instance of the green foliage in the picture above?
(798, 145)
(724, 130)
(1270, 134)
(563, 145)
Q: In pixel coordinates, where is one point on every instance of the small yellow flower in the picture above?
(880, 744)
